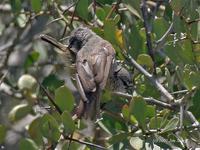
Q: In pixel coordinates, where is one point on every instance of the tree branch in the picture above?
(160, 43)
(148, 100)
(155, 82)
(3, 77)
(147, 30)
(85, 143)
(50, 98)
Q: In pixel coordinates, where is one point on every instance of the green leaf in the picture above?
(106, 96)
(144, 59)
(150, 112)
(165, 114)
(191, 77)
(19, 112)
(177, 5)
(168, 12)
(2, 133)
(52, 82)
(118, 138)
(195, 108)
(162, 142)
(113, 124)
(36, 5)
(98, 31)
(172, 124)
(125, 112)
(27, 144)
(187, 51)
(136, 143)
(180, 53)
(49, 128)
(147, 89)
(186, 77)
(155, 123)
(69, 125)
(179, 26)
(136, 41)
(34, 133)
(82, 9)
(169, 80)
(31, 59)
(195, 31)
(196, 49)
(16, 5)
(64, 98)
(133, 11)
(109, 31)
(138, 108)
(64, 145)
(134, 7)
(160, 27)
(101, 13)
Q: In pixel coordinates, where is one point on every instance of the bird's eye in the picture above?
(72, 41)
(75, 43)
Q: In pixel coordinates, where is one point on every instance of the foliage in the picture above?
(162, 36)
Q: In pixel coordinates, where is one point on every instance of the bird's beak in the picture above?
(54, 42)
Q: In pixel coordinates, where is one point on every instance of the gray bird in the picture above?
(96, 67)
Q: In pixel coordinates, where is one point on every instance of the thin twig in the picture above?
(6, 46)
(70, 141)
(50, 98)
(160, 43)
(3, 77)
(179, 92)
(181, 115)
(72, 5)
(156, 7)
(191, 117)
(85, 143)
(55, 20)
(60, 13)
(114, 8)
(94, 4)
(65, 29)
(148, 100)
(74, 12)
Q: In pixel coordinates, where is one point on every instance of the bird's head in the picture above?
(79, 37)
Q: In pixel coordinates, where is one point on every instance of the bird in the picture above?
(96, 68)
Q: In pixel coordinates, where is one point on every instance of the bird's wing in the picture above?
(102, 65)
(94, 69)
(86, 75)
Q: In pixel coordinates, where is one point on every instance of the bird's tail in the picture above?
(90, 109)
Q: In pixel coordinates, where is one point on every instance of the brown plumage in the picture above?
(93, 64)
